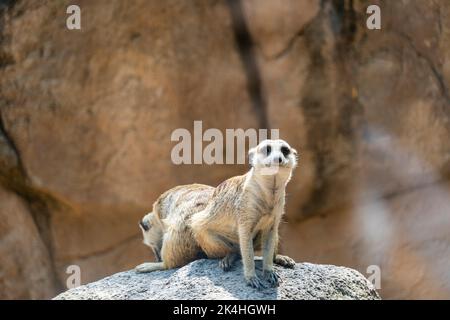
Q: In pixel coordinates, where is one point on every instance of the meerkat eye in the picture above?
(267, 150)
(145, 225)
(285, 150)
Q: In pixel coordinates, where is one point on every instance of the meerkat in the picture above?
(246, 206)
(171, 213)
(166, 229)
(231, 221)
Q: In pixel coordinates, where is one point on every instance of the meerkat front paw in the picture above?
(255, 282)
(284, 261)
(272, 277)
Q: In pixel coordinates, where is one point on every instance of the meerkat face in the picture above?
(152, 233)
(273, 153)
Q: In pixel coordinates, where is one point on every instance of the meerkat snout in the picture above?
(270, 153)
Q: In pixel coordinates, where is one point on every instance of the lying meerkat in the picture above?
(166, 229)
(239, 216)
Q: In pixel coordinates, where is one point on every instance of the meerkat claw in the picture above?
(284, 261)
(225, 264)
(273, 278)
(228, 261)
(256, 283)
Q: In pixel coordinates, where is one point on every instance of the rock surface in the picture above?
(203, 279)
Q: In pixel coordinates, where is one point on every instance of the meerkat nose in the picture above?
(279, 160)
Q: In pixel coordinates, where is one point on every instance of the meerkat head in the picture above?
(276, 154)
(152, 233)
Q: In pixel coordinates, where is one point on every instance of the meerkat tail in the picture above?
(150, 267)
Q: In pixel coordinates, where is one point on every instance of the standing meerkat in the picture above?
(246, 207)
(239, 216)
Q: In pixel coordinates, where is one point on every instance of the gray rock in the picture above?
(203, 279)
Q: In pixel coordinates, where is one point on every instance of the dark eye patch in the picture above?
(267, 150)
(285, 150)
(146, 226)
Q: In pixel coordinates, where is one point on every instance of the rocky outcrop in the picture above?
(203, 279)
(86, 118)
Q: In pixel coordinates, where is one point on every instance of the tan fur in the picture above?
(234, 219)
(169, 235)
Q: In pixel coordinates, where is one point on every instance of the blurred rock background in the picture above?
(86, 120)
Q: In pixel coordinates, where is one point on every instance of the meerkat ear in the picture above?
(294, 151)
(251, 155)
